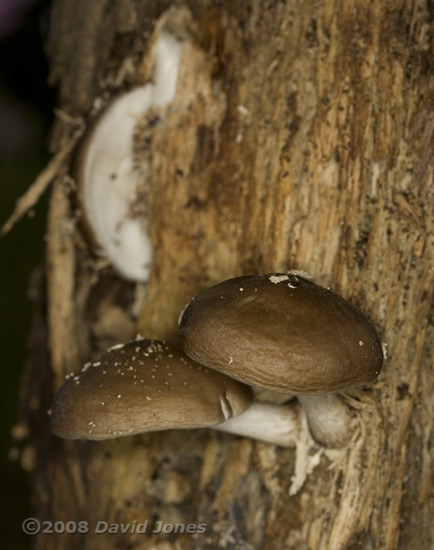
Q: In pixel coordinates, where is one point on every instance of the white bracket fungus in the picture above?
(109, 177)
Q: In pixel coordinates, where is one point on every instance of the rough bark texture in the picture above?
(301, 137)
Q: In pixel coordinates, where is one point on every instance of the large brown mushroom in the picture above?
(286, 334)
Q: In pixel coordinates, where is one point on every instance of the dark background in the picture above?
(26, 113)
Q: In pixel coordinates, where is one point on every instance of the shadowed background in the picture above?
(26, 106)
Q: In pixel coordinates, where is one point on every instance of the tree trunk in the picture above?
(300, 137)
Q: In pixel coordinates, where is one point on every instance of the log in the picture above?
(300, 137)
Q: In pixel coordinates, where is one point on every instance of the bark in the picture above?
(300, 137)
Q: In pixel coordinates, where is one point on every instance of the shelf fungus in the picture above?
(143, 386)
(286, 334)
(112, 180)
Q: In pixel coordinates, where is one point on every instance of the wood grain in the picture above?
(300, 137)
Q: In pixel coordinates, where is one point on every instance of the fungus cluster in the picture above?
(277, 331)
(284, 333)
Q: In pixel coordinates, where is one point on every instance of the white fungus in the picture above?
(108, 174)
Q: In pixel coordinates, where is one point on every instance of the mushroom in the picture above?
(286, 334)
(142, 386)
(149, 385)
(111, 183)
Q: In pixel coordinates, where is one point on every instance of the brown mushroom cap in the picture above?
(143, 386)
(281, 332)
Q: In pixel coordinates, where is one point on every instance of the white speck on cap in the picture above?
(116, 346)
(275, 279)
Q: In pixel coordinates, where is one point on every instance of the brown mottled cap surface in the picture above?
(281, 332)
(145, 385)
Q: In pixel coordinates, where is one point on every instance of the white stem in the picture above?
(275, 424)
(330, 419)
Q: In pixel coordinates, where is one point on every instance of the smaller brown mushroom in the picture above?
(143, 386)
(286, 334)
